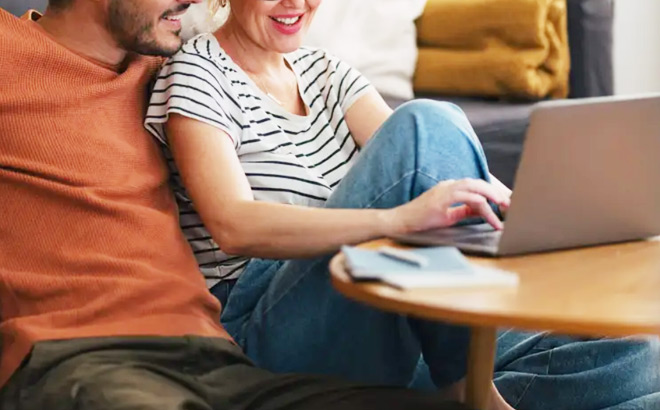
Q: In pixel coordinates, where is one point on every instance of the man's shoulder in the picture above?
(20, 43)
(5, 15)
(11, 26)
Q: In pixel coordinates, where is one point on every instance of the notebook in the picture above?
(446, 267)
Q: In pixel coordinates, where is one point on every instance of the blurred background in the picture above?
(636, 41)
(636, 46)
(494, 58)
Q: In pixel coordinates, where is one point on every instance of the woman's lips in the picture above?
(288, 24)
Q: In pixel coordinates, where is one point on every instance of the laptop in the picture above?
(589, 174)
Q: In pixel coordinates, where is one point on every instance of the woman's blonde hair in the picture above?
(215, 5)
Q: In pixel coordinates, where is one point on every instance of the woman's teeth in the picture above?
(289, 21)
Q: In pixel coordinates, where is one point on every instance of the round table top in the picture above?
(611, 290)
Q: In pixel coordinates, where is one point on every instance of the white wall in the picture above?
(637, 46)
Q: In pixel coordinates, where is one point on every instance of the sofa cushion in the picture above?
(18, 7)
(494, 48)
(501, 127)
(376, 37)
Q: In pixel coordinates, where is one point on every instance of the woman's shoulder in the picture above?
(305, 56)
(202, 52)
(316, 62)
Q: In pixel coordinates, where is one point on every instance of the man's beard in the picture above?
(134, 32)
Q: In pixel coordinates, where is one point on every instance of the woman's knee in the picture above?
(434, 122)
(431, 129)
(431, 108)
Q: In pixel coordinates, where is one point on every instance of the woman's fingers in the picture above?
(455, 214)
(486, 189)
(499, 185)
(478, 206)
(435, 208)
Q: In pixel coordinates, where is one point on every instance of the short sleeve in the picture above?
(348, 82)
(194, 86)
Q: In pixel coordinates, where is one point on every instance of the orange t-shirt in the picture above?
(90, 244)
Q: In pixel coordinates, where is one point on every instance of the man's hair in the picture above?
(59, 4)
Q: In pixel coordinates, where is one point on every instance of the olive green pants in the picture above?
(186, 373)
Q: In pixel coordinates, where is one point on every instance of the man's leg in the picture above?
(288, 317)
(109, 374)
(242, 386)
(188, 373)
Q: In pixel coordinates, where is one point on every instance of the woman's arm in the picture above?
(222, 196)
(366, 116)
(220, 191)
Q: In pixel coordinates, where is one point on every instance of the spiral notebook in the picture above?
(445, 267)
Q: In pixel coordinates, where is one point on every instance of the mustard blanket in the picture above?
(497, 48)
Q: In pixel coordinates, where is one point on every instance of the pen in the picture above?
(403, 256)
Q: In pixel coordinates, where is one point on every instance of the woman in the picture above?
(287, 153)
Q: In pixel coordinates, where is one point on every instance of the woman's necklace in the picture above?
(296, 108)
(260, 84)
(265, 89)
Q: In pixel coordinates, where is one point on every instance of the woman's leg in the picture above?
(542, 371)
(222, 289)
(289, 318)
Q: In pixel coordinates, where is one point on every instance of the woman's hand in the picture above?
(437, 207)
(505, 189)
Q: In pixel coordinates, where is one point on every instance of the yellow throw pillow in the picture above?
(495, 48)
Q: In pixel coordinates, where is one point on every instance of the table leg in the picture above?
(481, 362)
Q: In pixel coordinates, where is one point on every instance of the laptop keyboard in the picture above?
(491, 238)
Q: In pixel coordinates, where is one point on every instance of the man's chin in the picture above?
(158, 49)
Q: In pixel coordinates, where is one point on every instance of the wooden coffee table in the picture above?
(611, 290)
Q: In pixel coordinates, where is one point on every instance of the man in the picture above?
(102, 304)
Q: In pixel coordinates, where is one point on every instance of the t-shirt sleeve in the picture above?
(347, 82)
(195, 87)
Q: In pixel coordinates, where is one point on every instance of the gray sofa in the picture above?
(501, 125)
(18, 7)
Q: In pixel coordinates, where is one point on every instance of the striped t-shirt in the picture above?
(287, 158)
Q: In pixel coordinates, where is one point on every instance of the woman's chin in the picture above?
(286, 47)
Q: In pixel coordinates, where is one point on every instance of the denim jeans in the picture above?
(288, 318)
(222, 289)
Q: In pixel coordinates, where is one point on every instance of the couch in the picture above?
(500, 124)
(18, 7)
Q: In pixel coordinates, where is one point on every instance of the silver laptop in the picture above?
(589, 174)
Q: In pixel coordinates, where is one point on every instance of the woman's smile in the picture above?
(288, 24)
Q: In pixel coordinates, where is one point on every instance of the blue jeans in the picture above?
(288, 318)
(222, 290)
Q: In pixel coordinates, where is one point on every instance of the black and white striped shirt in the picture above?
(287, 158)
